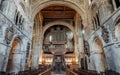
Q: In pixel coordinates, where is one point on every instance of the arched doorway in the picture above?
(99, 55)
(13, 65)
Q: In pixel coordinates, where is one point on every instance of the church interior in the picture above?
(59, 37)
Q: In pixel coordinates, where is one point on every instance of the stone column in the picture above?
(25, 57)
(35, 47)
(41, 42)
(76, 36)
(37, 43)
(79, 39)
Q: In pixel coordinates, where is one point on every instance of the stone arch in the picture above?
(98, 55)
(59, 23)
(14, 58)
(64, 3)
(17, 36)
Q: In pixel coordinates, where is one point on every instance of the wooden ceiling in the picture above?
(58, 12)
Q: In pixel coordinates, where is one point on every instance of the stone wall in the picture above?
(9, 31)
(106, 33)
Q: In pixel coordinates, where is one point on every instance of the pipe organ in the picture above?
(58, 38)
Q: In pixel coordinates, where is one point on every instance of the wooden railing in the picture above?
(47, 72)
(69, 72)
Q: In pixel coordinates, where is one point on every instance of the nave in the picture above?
(53, 37)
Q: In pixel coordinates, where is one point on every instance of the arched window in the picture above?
(98, 21)
(16, 20)
(95, 23)
(117, 3)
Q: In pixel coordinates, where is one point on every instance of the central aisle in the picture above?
(58, 74)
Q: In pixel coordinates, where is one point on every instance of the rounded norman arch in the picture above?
(93, 41)
(45, 4)
(14, 56)
(62, 23)
(99, 55)
(58, 23)
(17, 36)
(97, 41)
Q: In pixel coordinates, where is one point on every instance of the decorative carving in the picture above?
(105, 34)
(9, 35)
